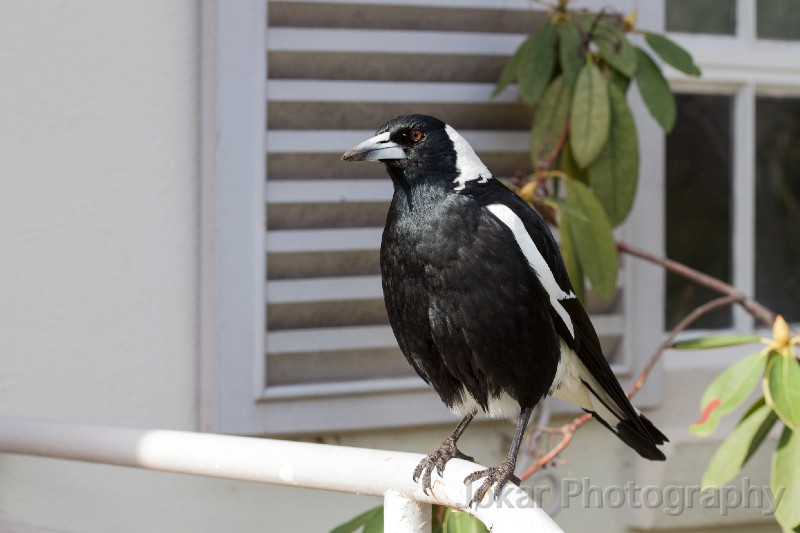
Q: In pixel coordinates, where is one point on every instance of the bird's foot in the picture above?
(495, 477)
(437, 460)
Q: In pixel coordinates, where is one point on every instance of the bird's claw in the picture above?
(437, 461)
(495, 477)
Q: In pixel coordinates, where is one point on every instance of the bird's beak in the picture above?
(378, 148)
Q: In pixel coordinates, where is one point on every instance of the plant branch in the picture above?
(755, 308)
(567, 431)
(687, 321)
(556, 151)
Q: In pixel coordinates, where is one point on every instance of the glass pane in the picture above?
(702, 16)
(778, 19)
(698, 196)
(778, 205)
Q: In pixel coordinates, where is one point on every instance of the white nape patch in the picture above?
(503, 406)
(535, 260)
(470, 167)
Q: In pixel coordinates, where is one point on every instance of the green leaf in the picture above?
(672, 53)
(715, 341)
(785, 480)
(568, 166)
(536, 64)
(655, 91)
(740, 445)
(615, 172)
(728, 391)
(437, 522)
(619, 80)
(509, 73)
(550, 120)
(615, 48)
(569, 51)
(360, 520)
(594, 243)
(574, 269)
(564, 207)
(375, 523)
(461, 522)
(590, 116)
(782, 388)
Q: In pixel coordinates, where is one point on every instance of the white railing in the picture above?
(297, 464)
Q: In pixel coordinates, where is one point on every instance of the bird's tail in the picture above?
(603, 397)
(643, 442)
(626, 422)
(636, 431)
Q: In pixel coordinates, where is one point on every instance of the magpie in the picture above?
(479, 298)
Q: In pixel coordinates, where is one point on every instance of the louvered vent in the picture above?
(336, 71)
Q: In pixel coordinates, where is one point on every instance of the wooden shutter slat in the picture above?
(324, 289)
(521, 5)
(385, 91)
(338, 141)
(321, 191)
(390, 41)
(323, 240)
(330, 339)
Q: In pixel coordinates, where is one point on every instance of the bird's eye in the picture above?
(416, 135)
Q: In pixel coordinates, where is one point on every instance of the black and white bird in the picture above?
(479, 298)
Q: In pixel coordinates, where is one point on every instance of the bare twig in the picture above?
(548, 163)
(567, 431)
(687, 321)
(756, 309)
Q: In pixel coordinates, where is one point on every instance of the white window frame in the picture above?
(232, 215)
(232, 397)
(744, 67)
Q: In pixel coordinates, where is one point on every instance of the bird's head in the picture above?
(421, 148)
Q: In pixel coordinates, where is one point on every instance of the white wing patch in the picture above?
(470, 167)
(568, 385)
(535, 260)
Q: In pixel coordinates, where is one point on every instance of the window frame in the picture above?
(744, 67)
(232, 212)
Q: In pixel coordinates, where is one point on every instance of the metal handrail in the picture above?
(297, 464)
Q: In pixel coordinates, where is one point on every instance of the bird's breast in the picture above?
(424, 240)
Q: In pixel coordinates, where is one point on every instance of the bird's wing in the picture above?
(569, 317)
(540, 249)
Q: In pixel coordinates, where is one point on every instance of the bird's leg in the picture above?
(504, 473)
(439, 458)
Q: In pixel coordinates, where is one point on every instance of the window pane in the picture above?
(702, 16)
(778, 205)
(698, 196)
(778, 19)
